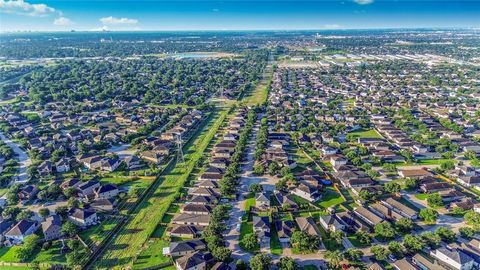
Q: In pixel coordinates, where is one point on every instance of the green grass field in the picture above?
(122, 251)
(259, 94)
(330, 198)
(366, 133)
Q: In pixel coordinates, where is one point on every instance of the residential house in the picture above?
(106, 191)
(400, 208)
(182, 248)
(83, 217)
(308, 226)
(52, 228)
(21, 230)
(454, 258)
(261, 227)
(262, 201)
(332, 223)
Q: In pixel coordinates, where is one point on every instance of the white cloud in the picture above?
(363, 2)
(98, 29)
(117, 21)
(21, 7)
(62, 21)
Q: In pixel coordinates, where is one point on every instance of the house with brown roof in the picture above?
(308, 226)
(400, 208)
(415, 174)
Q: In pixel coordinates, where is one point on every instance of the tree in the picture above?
(304, 242)
(273, 168)
(255, 188)
(249, 241)
(466, 232)
(29, 245)
(334, 258)
(431, 239)
(413, 243)
(71, 192)
(240, 265)
(447, 166)
(69, 228)
(411, 183)
(363, 237)
(367, 195)
(404, 225)
(428, 215)
(44, 212)
(337, 236)
(434, 200)
(396, 249)
(353, 255)
(258, 169)
(62, 211)
(472, 218)
(389, 167)
(222, 254)
(381, 253)
(25, 214)
(445, 234)
(287, 263)
(392, 187)
(260, 261)
(384, 230)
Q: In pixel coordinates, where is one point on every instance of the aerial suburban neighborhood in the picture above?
(338, 149)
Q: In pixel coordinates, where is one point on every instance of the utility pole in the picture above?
(179, 144)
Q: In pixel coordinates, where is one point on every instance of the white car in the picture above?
(238, 227)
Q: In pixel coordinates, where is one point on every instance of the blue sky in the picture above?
(151, 15)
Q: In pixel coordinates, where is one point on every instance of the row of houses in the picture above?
(201, 200)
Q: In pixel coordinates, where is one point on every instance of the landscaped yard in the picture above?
(330, 198)
(52, 255)
(246, 227)
(97, 233)
(421, 196)
(249, 202)
(275, 245)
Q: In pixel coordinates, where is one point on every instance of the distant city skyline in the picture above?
(153, 15)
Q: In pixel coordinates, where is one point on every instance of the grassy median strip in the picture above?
(131, 238)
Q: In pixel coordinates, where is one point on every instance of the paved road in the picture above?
(22, 157)
(232, 235)
(121, 150)
(451, 222)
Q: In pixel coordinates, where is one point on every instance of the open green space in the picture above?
(151, 254)
(145, 217)
(366, 133)
(259, 94)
